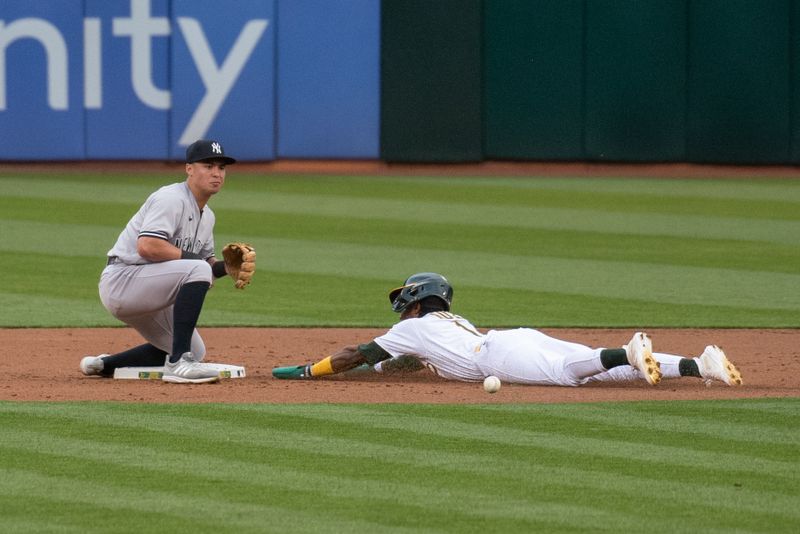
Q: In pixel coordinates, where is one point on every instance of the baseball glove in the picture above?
(240, 262)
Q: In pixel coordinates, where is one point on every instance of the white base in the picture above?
(155, 373)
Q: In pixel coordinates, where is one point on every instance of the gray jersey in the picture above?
(172, 214)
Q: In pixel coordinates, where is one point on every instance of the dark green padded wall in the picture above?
(706, 81)
(431, 80)
(635, 80)
(739, 101)
(795, 82)
(533, 79)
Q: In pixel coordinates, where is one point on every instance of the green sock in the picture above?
(688, 367)
(613, 357)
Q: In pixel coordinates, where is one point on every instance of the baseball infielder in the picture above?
(452, 348)
(162, 265)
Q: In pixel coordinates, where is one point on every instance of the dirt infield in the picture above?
(42, 365)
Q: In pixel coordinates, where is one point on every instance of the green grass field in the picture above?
(635, 467)
(520, 252)
(543, 252)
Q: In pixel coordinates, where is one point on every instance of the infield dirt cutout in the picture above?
(41, 364)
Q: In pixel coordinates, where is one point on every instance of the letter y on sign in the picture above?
(218, 81)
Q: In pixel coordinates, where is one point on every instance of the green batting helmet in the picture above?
(419, 286)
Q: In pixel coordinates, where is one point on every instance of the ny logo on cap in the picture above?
(216, 148)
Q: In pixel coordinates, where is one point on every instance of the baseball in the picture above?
(491, 384)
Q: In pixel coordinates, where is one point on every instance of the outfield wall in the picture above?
(709, 81)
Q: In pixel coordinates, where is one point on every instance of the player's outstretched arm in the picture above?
(344, 360)
(405, 363)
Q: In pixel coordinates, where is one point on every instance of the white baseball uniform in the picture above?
(451, 347)
(141, 293)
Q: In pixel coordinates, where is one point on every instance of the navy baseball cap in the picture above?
(204, 149)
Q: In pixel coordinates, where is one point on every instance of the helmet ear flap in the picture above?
(418, 287)
(394, 293)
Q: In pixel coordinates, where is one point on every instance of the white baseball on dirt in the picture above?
(491, 384)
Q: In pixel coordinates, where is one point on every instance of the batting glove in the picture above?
(295, 372)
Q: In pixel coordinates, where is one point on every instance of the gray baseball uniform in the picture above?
(141, 293)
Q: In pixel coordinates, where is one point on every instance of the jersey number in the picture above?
(456, 321)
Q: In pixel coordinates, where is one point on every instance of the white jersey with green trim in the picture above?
(451, 347)
(446, 343)
(171, 213)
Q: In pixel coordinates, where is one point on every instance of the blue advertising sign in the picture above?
(142, 79)
(223, 76)
(41, 111)
(329, 79)
(126, 79)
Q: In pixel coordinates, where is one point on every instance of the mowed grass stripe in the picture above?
(407, 428)
(518, 241)
(615, 217)
(582, 276)
(37, 514)
(138, 508)
(537, 291)
(493, 306)
(694, 224)
(59, 239)
(709, 424)
(642, 281)
(550, 438)
(421, 474)
(753, 188)
(485, 306)
(251, 490)
(424, 495)
(29, 312)
(77, 220)
(326, 483)
(555, 252)
(740, 198)
(89, 312)
(445, 478)
(639, 281)
(292, 299)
